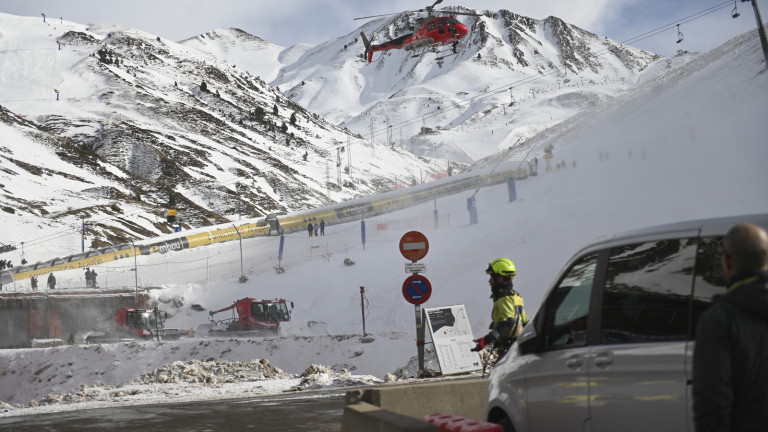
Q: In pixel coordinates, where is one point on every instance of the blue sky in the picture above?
(314, 21)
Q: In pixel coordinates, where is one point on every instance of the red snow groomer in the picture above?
(262, 317)
(133, 324)
(253, 315)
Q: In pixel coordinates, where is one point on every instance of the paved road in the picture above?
(295, 412)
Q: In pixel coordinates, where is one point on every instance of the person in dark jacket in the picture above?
(730, 361)
(310, 228)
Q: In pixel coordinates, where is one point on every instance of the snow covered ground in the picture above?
(686, 146)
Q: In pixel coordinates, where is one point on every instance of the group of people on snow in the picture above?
(90, 278)
(312, 228)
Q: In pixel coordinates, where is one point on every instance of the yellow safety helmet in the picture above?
(501, 266)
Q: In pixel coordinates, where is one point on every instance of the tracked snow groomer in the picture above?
(132, 324)
(262, 317)
(257, 316)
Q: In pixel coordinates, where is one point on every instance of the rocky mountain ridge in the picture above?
(140, 125)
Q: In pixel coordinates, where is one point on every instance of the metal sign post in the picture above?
(416, 288)
(362, 307)
(419, 338)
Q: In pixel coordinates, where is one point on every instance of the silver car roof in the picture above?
(717, 226)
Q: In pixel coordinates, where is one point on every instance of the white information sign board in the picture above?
(416, 267)
(449, 329)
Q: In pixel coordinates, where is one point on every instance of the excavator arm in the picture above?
(230, 307)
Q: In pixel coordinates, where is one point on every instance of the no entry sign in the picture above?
(414, 245)
(417, 289)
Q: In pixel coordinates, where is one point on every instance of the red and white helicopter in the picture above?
(434, 31)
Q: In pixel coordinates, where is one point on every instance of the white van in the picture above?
(611, 346)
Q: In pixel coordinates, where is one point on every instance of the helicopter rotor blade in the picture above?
(428, 9)
(389, 14)
(376, 16)
(451, 12)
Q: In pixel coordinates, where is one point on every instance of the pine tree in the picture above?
(293, 119)
(203, 87)
(258, 114)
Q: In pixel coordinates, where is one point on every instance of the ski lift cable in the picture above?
(683, 20)
(671, 26)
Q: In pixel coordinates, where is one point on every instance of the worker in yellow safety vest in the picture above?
(508, 313)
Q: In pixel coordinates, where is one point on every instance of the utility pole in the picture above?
(136, 272)
(327, 181)
(349, 156)
(82, 237)
(760, 29)
(338, 166)
(373, 147)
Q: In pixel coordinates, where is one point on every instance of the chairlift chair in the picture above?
(734, 13)
(680, 36)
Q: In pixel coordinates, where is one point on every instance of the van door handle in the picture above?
(574, 362)
(604, 360)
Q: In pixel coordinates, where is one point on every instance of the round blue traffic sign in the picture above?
(417, 289)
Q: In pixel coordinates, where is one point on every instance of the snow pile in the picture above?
(211, 372)
(321, 377)
(187, 380)
(57, 378)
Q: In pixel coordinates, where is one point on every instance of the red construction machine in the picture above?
(262, 317)
(132, 324)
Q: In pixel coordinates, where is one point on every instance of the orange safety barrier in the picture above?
(456, 423)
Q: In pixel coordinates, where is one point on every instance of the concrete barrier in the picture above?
(363, 416)
(400, 407)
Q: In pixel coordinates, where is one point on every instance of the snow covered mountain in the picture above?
(512, 77)
(112, 125)
(251, 53)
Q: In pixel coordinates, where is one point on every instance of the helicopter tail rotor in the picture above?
(367, 44)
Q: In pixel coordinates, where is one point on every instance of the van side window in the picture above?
(647, 292)
(565, 316)
(709, 279)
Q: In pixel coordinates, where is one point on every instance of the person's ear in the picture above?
(727, 264)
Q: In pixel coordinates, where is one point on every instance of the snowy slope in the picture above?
(689, 144)
(246, 51)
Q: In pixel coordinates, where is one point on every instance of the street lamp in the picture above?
(243, 278)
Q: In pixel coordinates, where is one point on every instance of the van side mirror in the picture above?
(529, 341)
(529, 346)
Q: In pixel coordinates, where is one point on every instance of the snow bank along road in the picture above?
(191, 369)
